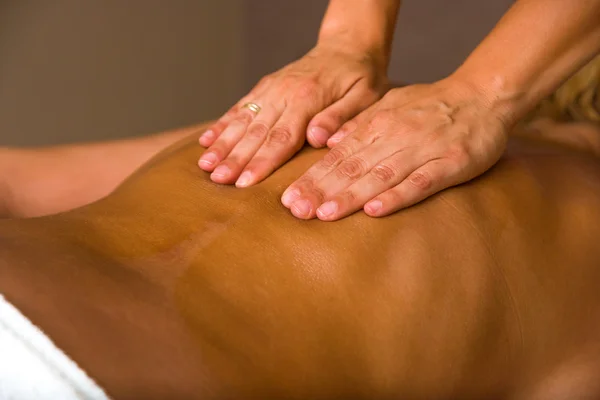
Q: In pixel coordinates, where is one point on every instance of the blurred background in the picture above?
(73, 70)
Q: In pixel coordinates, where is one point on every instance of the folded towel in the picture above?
(32, 367)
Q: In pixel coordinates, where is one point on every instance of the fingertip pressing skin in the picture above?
(289, 196)
(327, 210)
(208, 161)
(244, 180)
(331, 211)
(302, 209)
(221, 174)
(373, 208)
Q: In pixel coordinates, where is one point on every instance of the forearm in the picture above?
(42, 181)
(535, 47)
(364, 25)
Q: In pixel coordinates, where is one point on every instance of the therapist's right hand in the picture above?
(309, 99)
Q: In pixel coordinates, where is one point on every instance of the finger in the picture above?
(345, 130)
(329, 121)
(209, 136)
(351, 145)
(282, 142)
(214, 131)
(346, 174)
(349, 127)
(425, 181)
(401, 96)
(383, 176)
(231, 167)
(226, 140)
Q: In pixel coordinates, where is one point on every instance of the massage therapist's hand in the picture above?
(310, 98)
(411, 144)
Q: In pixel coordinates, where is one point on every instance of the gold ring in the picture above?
(255, 108)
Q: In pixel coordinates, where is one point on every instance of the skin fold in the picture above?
(173, 286)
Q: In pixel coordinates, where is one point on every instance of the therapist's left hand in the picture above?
(414, 142)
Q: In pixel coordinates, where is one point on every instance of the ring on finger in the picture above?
(255, 108)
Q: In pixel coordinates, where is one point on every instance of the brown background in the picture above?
(74, 70)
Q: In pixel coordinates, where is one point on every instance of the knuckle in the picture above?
(421, 180)
(347, 197)
(383, 173)
(458, 154)
(353, 168)
(257, 131)
(244, 117)
(218, 127)
(334, 157)
(318, 192)
(307, 186)
(303, 183)
(280, 135)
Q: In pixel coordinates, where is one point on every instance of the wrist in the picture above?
(343, 34)
(345, 43)
(510, 103)
(361, 26)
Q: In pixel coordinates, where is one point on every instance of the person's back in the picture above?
(175, 286)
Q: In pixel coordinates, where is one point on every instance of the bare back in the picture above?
(174, 285)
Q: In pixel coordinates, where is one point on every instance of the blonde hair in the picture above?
(578, 99)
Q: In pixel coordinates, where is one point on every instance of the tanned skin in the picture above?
(173, 286)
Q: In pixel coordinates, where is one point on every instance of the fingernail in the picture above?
(208, 160)
(319, 135)
(327, 209)
(244, 179)
(301, 208)
(206, 136)
(289, 196)
(221, 171)
(373, 206)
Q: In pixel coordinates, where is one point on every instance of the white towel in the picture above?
(32, 367)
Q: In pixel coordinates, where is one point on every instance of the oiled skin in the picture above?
(175, 287)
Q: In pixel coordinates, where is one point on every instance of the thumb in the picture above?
(331, 119)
